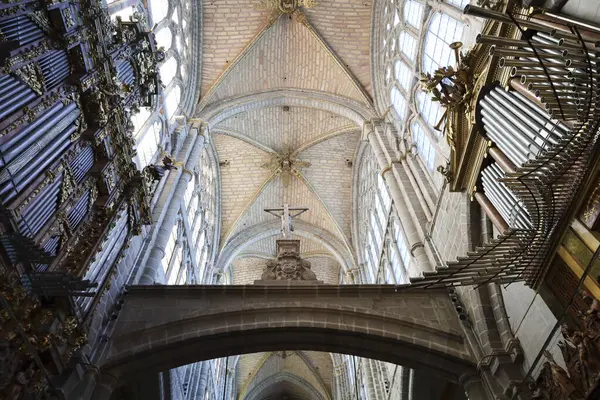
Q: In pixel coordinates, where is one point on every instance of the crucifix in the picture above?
(286, 214)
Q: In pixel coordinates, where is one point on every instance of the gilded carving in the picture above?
(24, 325)
(452, 88)
(41, 19)
(68, 183)
(28, 55)
(285, 165)
(69, 19)
(581, 353)
(31, 75)
(285, 6)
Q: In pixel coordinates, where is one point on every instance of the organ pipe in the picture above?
(511, 209)
(530, 130)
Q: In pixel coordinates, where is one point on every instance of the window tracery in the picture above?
(168, 21)
(412, 25)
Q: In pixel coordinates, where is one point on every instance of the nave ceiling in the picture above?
(260, 77)
(297, 375)
(262, 73)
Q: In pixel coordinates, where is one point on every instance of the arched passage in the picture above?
(419, 329)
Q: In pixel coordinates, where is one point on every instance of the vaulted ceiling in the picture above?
(297, 375)
(276, 81)
(284, 96)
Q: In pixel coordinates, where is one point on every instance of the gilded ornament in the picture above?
(69, 19)
(68, 184)
(285, 165)
(31, 74)
(285, 6)
(40, 18)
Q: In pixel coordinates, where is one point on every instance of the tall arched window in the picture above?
(139, 119)
(168, 71)
(404, 75)
(123, 13)
(164, 38)
(148, 142)
(442, 31)
(407, 45)
(401, 73)
(169, 21)
(398, 101)
(459, 3)
(430, 110)
(413, 13)
(158, 10)
(172, 101)
(424, 146)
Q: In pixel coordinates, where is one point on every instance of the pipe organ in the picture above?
(510, 207)
(71, 198)
(520, 128)
(526, 96)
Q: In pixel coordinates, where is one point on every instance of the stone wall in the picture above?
(450, 233)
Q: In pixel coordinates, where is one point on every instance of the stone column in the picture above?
(153, 264)
(105, 385)
(474, 387)
(420, 261)
(201, 388)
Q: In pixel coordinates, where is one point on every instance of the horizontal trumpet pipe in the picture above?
(571, 20)
(504, 42)
(499, 51)
(537, 72)
(500, 17)
(543, 78)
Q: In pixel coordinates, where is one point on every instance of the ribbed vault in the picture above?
(298, 87)
(288, 93)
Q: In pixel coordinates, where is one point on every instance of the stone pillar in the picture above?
(201, 388)
(106, 384)
(153, 264)
(474, 387)
(420, 261)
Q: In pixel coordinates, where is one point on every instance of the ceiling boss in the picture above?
(285, 6)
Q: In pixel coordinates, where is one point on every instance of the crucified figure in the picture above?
(286, 214)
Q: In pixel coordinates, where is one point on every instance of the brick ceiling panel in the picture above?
(280, 130)
(326, 269)
(298, 194)
(331, 176)
(288, 55)
(241, 178)
(324, 364)
(263, 246)
(245, 270)
(227, 27)
(269, 197)
(345, 25)
(246, 367)
(274, 195)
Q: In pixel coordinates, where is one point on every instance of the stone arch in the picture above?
(221, 110)
(256, 392)
(255, 233)
(415, 328)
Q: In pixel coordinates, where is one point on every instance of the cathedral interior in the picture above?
(299, 200)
